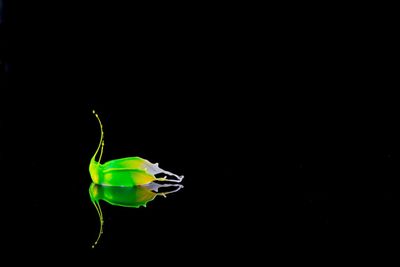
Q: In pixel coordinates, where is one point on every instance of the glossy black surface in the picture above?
(272, 152)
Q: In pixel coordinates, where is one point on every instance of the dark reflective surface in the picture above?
(267, 170)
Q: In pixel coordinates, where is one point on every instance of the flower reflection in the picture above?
(131, 197)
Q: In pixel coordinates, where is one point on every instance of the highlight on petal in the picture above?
(154, 169)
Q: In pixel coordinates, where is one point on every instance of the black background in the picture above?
(276, 124)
